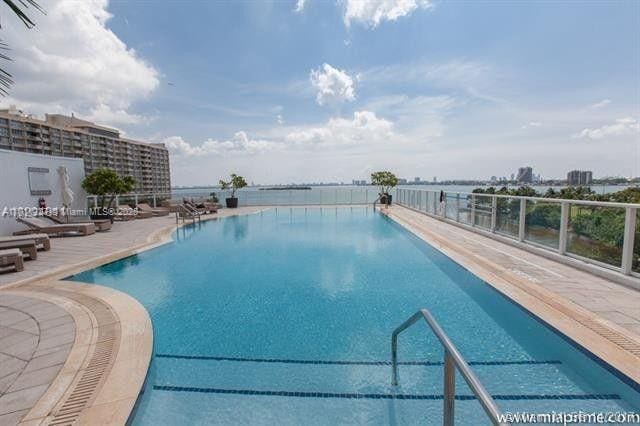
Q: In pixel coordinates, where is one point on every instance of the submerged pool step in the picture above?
(517, 377)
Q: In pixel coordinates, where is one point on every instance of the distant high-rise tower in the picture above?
(525, 174)
(416, 179)
(579, 177)
(435, 179)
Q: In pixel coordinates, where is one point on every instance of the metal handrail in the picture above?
(541, 199)
(452, 359)
(376, 200)
(189, 211)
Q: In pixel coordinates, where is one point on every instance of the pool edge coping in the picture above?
(124, 366)
(537, 301)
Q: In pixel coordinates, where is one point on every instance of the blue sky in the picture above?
(334, 90)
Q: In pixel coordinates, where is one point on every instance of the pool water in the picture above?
(285, 317)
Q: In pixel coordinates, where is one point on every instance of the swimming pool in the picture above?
(285, 317)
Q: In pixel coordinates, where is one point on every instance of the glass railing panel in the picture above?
(635, 262)
(542, 223)
(508, 216)
(465, 209)
(126, 200)
(483, 211)
(451, 210)
(596, 233)
(358, 196)
(344, 196)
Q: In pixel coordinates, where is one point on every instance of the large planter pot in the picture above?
(232, 202)
(386, 199)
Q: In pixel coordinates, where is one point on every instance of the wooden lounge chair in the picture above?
(126, 212)
(27, 247)
(156, 211)
(12, 257)
(101, 224)
(200, 208)
(40, 225)
(40, 239)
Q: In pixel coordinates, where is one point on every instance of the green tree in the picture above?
(385, 180)
(236, 182)
(106, 184)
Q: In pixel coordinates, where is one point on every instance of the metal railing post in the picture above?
(522, 219)
(564, 227)
(629, 236)
(135, 199)
(457, 207)
(449, 390)
(473, 210)
(435, 203)
(494, 213)
(155, 203)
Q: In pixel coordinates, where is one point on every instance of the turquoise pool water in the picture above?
(285, 317)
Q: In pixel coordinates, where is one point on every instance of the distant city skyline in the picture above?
(323, 91)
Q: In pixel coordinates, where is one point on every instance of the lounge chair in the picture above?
(199, 207)
(12, 257)
(156, 211)
(25, 246)
(125, 212)
(40, 225)
(101, 224)
(40, 239)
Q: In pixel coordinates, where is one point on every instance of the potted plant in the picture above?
(234, 184)
(385, 180)
(106, 184)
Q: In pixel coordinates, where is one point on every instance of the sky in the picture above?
(311, 91)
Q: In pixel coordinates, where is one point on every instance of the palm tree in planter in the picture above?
(106, 184)
(234, 184)
(385, 180)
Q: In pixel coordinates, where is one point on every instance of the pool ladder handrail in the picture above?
(452, 359)
(183, 211)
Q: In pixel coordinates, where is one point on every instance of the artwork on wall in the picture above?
(39, 181)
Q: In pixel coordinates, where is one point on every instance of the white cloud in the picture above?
(531, 124)
(621, 127)
(364, 128)
(601, 104)
(300, 5)
(280, 119)
(105, 114)
(240, 143)
(71, 62)
(333, 85)
(372, 12)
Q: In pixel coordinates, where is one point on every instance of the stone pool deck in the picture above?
(79, 352)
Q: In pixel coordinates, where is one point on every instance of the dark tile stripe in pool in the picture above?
(329, 362)
(376, 395)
